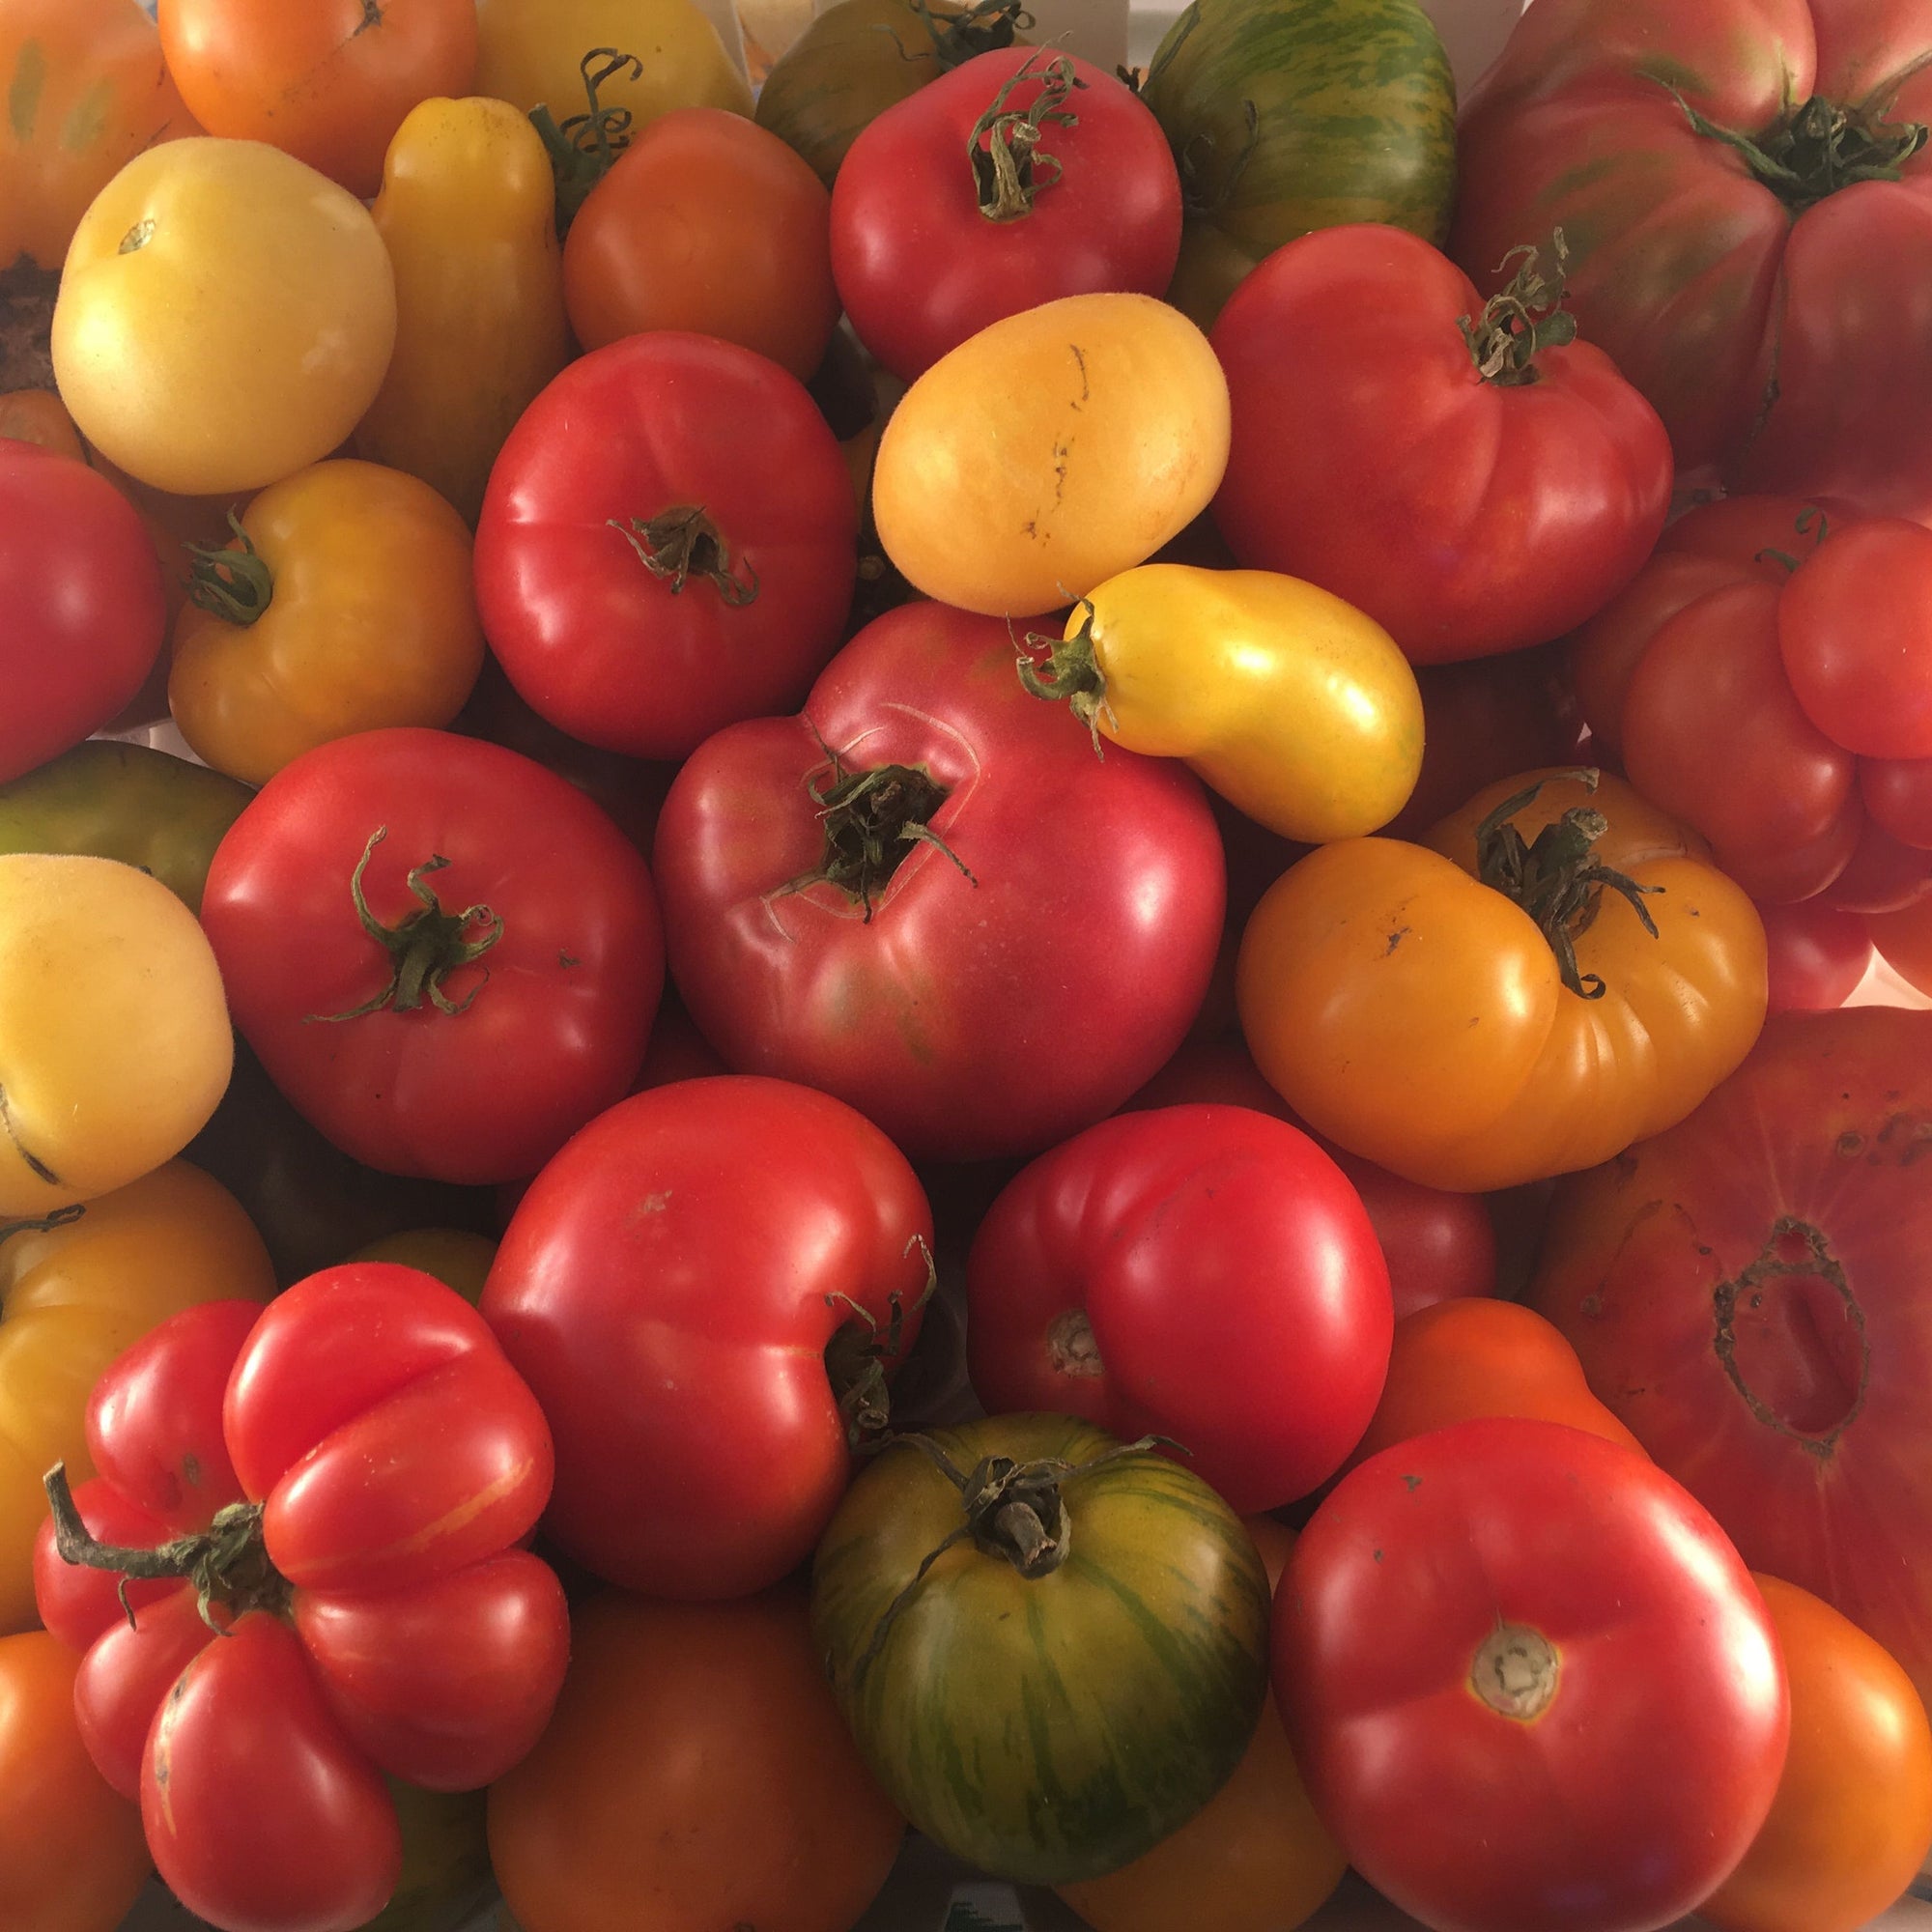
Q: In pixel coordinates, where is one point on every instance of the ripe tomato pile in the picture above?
(1002, 983)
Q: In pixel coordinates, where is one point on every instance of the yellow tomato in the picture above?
(466, 215)
(1295, 707)
(1050, 452)
(457, 1258)
(114, 1035)
(225, 317)
(76, 1293)
(347, 606)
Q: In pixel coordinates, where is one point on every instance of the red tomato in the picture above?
(85, 617)
(1904, 940)
(1014, 180)
(706, 1288)
(1751, 232)
(347, 1476)
(1898, 795)
(668, 543)
(925, 895)
(1814, 955)
(446, 956)
(1205, 1274)
(1884, 874)
(1767, 1337)
(1528, 1682)
(1527, 488)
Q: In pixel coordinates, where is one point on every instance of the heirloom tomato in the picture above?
(1904, 941)
(668, 544)
(1748, 1292)
(1203, 1274)
(927, 896)
(1108, 1610)
(446, 956)
(456, 1257)
(697, 1775)
(707, 1288)
(1556, 972)
(328, 81)
(1016, 178)
(1050, 452)
(1747, 195)
(201, 383)
(1815, 955)
(78, 1286)
(1515, 1620)
(1529, 485)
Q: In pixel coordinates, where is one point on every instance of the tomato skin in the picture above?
(1904, 941)
(1897, 795)
(83, 595)
(1516, 510)
(1636, 1788)
(920, 262)
(1091, 1278)
(592, 637)
(1815, 955)
(1100, 880)
(1883, 874)
(718, 1296)
(562, 1004)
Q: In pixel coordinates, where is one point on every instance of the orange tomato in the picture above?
(328, 81)
(706, 222)
(36, 416)
(1257, 1859)
(1852, 1815)
(72, 1856)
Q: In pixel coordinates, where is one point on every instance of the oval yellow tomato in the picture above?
(344, 606)
(1297, 708)
(466, 215)
(80, 1288)
(1050, 452)
(225, 317)
(114, 1036)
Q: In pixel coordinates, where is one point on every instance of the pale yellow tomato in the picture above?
(225, 317)
(1050, 452)
(114, 1036)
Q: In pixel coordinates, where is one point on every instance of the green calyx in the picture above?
(584, 147)
(982, 28)
(1071, 674)
(1520, 321)
(681, 543)
(1008, 175)
(236, 585)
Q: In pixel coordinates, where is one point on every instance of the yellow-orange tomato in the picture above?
(79, 1289)
(1257, 1859)
(457, 1258)
(465, 212)
(1853, 1816)
(346, 606)
(1050, 452)
(225, 317)
(1409, 1001)
(85, 92)
(707, 223)
(72, 1855)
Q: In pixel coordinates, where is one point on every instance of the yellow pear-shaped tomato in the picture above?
(225, 317)
(114, 1036)
(467, 213)
(1050, 452)
(1297, 708)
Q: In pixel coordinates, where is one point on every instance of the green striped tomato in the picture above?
(1353, 111)
(1047, 1719)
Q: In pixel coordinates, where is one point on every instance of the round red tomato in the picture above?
(1206, 1274)
(1529, 1683)
(1016, 178)
(82, 587)
(1527, 488)
(706, 1290)
(446, 956)
(927, 896)
(1814, 955)
(668, 543)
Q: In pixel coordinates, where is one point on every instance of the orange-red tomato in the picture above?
(709, 223)
(328, 80)
(1852, 1815)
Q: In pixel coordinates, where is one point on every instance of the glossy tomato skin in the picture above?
(1815, 955)
(598, 643)
(1205, 1274)
(558, 1009)
(1524, 1557)
(1507, 513)
(1004, 991)
(921, 261)
(668, 1287)
(82, 592)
